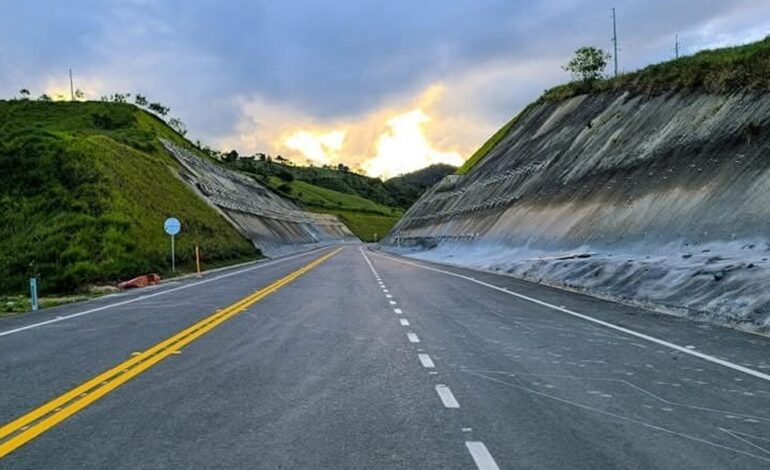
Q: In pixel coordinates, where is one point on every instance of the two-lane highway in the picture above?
(350, 358)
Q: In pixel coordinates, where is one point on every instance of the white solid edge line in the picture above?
(156, 294)
(447, 398)
(481, 455)
(413, 338)
(426, 361)
(371, 266)
(404, 322)
(652, 339)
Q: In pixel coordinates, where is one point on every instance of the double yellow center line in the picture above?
(27, 427)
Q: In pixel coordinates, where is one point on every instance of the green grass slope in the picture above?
(742, 68)
(367, 219)
(488, 146)
(84, 190)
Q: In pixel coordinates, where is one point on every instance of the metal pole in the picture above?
(173, 259)
(72, 89)
(198, 260)
(615, 39)
(33, 293)
(677, 46)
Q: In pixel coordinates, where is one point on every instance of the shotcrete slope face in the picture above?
(274, 224)
(680, 178)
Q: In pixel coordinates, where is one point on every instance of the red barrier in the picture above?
(140, 281)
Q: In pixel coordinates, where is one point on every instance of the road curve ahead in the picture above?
(350, 358)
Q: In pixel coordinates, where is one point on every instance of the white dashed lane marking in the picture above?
(477, 449)
(446, 396)
(426, 361)
(612, 326)
(481, 455)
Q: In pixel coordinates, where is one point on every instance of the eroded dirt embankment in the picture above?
(665, 199)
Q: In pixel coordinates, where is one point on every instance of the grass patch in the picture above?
(366, 226)
(365, 218)
(323, 198)
(11, 305)
(491, 143)
(730, 69)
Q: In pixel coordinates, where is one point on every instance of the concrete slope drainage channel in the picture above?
(27, 427)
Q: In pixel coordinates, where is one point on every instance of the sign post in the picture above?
(172, 227)
(33, 293)
(198, 260)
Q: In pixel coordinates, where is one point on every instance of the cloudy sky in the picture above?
(384, 86)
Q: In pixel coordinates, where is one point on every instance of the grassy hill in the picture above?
(368, 206)
(742, 68)
(367, 219)
(407, 188)
(84, 190)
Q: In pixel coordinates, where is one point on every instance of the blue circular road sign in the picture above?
(172, 226)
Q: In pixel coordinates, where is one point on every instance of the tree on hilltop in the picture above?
(588, 64)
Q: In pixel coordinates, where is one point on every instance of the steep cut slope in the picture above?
(273, 223)
(656, 198)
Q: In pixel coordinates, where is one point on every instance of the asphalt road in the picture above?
(372, 361)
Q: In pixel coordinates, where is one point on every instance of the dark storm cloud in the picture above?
(333, 59)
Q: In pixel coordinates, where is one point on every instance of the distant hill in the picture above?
(369, 206)
(407, 188)
(84, 190)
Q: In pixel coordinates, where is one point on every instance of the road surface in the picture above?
(351, 358)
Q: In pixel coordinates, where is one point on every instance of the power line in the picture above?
(615, 40)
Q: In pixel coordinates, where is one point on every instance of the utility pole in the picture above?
(615, 40)
(72, 89)
(676, 48)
